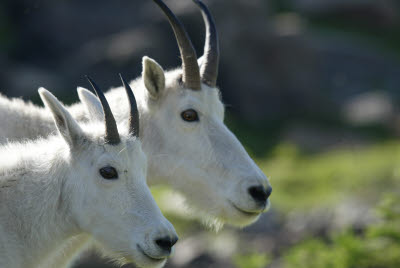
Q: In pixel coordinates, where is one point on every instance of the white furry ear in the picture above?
(153, 76)
(92, 104)
(66, 124)
(200, 60)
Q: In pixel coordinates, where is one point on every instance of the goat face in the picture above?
(113, 203)
(198, 154)
(218, 174)
(106, 188)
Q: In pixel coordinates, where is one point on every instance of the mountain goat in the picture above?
(87, 181)
(182, 128)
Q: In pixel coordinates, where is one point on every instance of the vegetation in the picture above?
(303, 181)
(253, 260)
(378, 246)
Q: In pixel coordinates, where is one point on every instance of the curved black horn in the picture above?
(134, 113)
(190, 68)
(111, 135)
(209, 67)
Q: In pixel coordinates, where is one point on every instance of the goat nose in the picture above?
(259, 193)
(166, 243)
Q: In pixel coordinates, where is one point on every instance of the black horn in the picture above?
(190, 68)
(111, 135)
(134, 113)
(209, 66)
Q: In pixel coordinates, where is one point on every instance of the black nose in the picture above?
(259, 193)
(166, 243)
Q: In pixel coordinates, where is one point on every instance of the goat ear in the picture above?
(92, 104)
(66, 124)
(153, 77)
(200, 60)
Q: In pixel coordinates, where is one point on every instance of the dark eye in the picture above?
(109, 173)
(190, 115)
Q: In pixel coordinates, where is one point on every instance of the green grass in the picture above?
(303, 181)
(378, 247)
(251, 260)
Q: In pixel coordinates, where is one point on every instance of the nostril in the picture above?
(166, 243)
(259, 193)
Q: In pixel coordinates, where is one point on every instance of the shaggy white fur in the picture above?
(52, 194)
(202, 160)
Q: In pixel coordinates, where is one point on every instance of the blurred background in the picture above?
(312, 91)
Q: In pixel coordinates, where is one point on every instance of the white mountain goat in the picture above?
(76, 184)
(182, 128)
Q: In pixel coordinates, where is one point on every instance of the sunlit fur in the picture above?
(52, 194)
(204, 161)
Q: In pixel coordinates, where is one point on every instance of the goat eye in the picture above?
(109, 173)
(190, 115)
